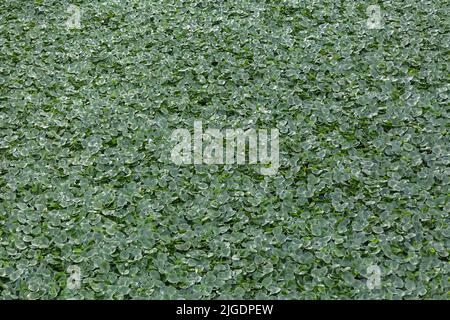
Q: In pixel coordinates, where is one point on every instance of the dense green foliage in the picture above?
(86, 178)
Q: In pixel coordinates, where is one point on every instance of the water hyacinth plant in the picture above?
(93, 207)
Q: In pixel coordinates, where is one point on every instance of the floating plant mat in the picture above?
(93, 207)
